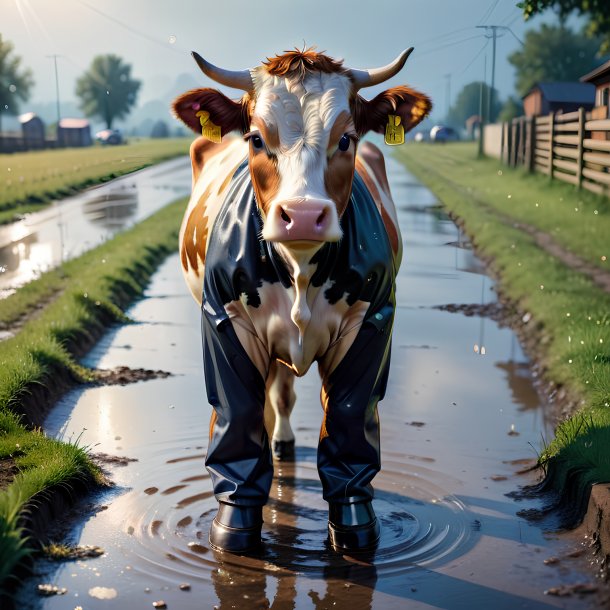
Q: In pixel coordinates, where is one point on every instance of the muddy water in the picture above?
(71, 226)
(459, 418)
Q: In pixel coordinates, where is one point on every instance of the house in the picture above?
(32, 128)
(544, 98)
(74, 132)
(600, 78)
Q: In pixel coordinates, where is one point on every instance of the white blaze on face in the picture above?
(303, 113)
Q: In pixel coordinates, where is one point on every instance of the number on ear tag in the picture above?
(394, 131)
(208, 129)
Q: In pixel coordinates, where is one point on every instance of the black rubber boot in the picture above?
(236, 529)
(353, 526)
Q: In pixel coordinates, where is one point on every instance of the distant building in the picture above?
(32, 129)
(74, 132)
(600, 78)
(544, 98)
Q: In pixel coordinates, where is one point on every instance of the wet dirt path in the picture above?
(459, 419)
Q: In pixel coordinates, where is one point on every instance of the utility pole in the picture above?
(54, 58)
(494, 35)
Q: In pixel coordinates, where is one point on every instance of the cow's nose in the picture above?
(302, 219)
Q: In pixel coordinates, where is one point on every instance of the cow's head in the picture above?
(302, 117)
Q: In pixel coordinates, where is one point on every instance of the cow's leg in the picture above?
(239, 457)
(349, 451)
(279, 405)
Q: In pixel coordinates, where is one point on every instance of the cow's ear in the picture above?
(226, 113)
(409, 104)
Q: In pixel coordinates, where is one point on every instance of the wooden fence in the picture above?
(573, 147)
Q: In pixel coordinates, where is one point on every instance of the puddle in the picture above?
(73, 225)
(457, 423)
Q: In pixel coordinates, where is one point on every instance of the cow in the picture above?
(290, 244)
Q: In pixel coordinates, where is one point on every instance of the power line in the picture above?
(487, 14)
(131, 29)
(451, 44)
(475, 57)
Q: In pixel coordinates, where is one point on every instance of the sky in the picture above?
(156, 37)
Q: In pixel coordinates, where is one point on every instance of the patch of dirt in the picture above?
(10, 329)
(102, 459)
(124, 375)
(500, 312)
(8, 471)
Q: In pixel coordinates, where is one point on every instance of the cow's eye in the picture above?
(344, 142)
(257, 142)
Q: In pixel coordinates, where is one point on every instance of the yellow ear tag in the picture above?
(394, 131)
(208, 129)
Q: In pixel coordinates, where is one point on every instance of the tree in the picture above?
(106, 89)
(552, 53)
(468, 102)
(512, 108)
(15, 82)
(160, 130)
(597, 11)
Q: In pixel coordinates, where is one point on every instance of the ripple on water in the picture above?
(421, 525)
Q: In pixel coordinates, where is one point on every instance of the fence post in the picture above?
(515, 143)
(532, 148)
(502, 143)
(551, 142)
(581, 147)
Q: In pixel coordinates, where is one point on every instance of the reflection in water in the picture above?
(519, 379)
(112, 210)
(15, 253)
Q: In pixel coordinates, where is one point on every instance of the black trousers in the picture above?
(239, 457)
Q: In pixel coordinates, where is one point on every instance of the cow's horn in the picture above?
(374, 76)
(239, 79)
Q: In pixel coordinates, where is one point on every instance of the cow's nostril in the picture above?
(320, 219)
(285, 216)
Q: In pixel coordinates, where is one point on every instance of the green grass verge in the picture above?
(570, 315)
(31, 180)
(80, 301)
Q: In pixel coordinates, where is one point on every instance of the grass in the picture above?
(31, 180)
(81, 299)
(569, 327)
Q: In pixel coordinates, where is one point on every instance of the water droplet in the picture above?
(499, 172)
(541, 286)
(5, 106)
(483, 351)
(570, 361)
(107, 92)
(568, 314)
(595, 212)
(12, 88)
(537, 205)
(576, 209)
(172, 39)
(510, 197)
(378, 316)
(476, 348)
(603, 258)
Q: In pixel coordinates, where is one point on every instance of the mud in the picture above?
(457, 424)
(8, 471)
(123, 375)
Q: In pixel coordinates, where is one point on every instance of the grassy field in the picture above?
(56, 318)
(569, 315)
(31, 180)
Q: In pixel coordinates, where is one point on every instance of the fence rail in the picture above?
(573, 147)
